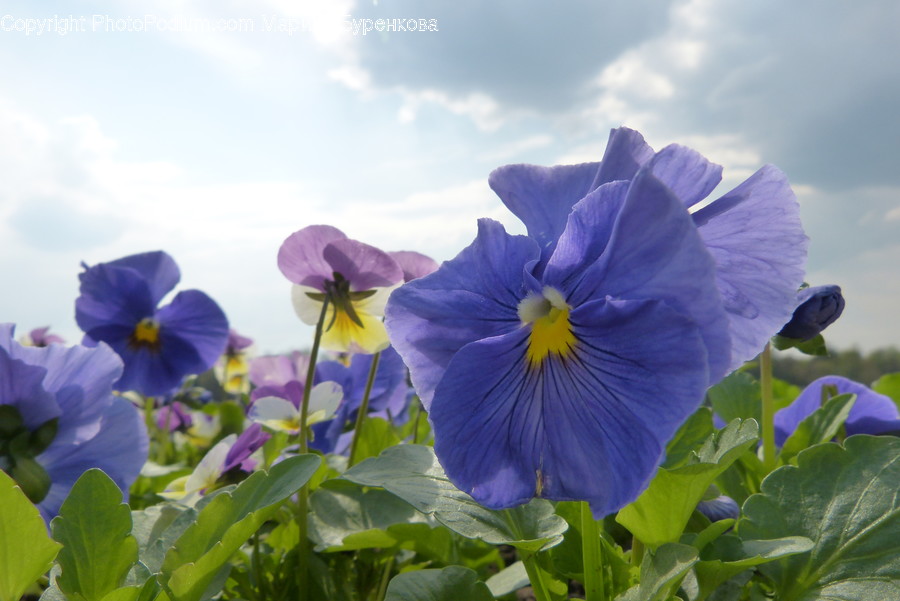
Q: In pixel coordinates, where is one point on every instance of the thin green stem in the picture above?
(303, 494)
(536, 577)
(363, 409)
(419, 409)
(768, 408)
(637, 551)
(592, 556)
(385, 578)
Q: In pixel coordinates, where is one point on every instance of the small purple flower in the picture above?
(388, 399)
(119, 306)
(278, 370)
(817, 308)
(872, 413)
(59, 418)
(355, 278)
(173, 417)
(246, 444)
(719, 508)
(42, 337)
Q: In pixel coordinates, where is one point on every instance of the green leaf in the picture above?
(94, 527)
(197, 559)
(21, 564)
(412, 472)
(343, 517)
(453, 583)
(661, 572)
(736, 397)
(689, 437)
(819, 426)
(660, 514)
(508, 580)
(845, 500)
(889, 385)
(377, 435)
(729, 555)
(813, 346)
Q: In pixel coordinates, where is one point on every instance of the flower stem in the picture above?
(303, 493)
(592, 556)
(363, 409)
(536, 577)
(768, 408)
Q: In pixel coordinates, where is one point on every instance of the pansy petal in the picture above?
(300, 256)
(112, 296)
(342, 334)
(278, 369)
(414, 265)
(81, 378)
(324, 399)
(196, 319)
(211, 466)
(470, 297)
(626, 152)
(157, 268)
(653, 252)
(246, 444)
(686, 172)
(592, 426)
(364, 266)
(119, 449)
(543, 196)
(22, 386)
(756, 238)
(277, 414)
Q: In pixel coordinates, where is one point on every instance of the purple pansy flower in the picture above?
(173, 417)
(60, 418)
(388, 399)
(42, 337)
(872, 413)
(753, 232)
(355, 278)
(119, 306)
(278, 370)
(251, 439)
(559, 364)
(817, 308)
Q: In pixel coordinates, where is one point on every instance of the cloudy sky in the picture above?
(214, 129)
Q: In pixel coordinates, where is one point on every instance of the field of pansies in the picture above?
(586, 411)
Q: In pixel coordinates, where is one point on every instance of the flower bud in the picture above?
(817, 308)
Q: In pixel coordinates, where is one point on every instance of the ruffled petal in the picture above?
(686, 172)
(22, 386)
(756, 238)
(196, 319)
(470, 297)
(275, 413)
(591, 426)
(82, 380)
(112, 296)
(119, 449)
(364, 266)
(543, 196)
(626, 152)
(157, 268)
(300, 257)
(653, 253)
(414, 265)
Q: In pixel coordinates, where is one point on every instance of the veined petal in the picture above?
(275, 413)
(653, 252)
(543, 196)
(364, 266)
(111, 295)
(592, 425)
(756, 238)
(324, 399)
(687, 173)
(470, 297)
(342, 334)
(626, 152)
(157, 268)
(196, 319)
(300, 256)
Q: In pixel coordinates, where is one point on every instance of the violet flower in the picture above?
(59, 418)
(355, 278)
(159, 345)
(817, 308)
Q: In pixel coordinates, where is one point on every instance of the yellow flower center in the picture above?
(551, 331)
(146, 334)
